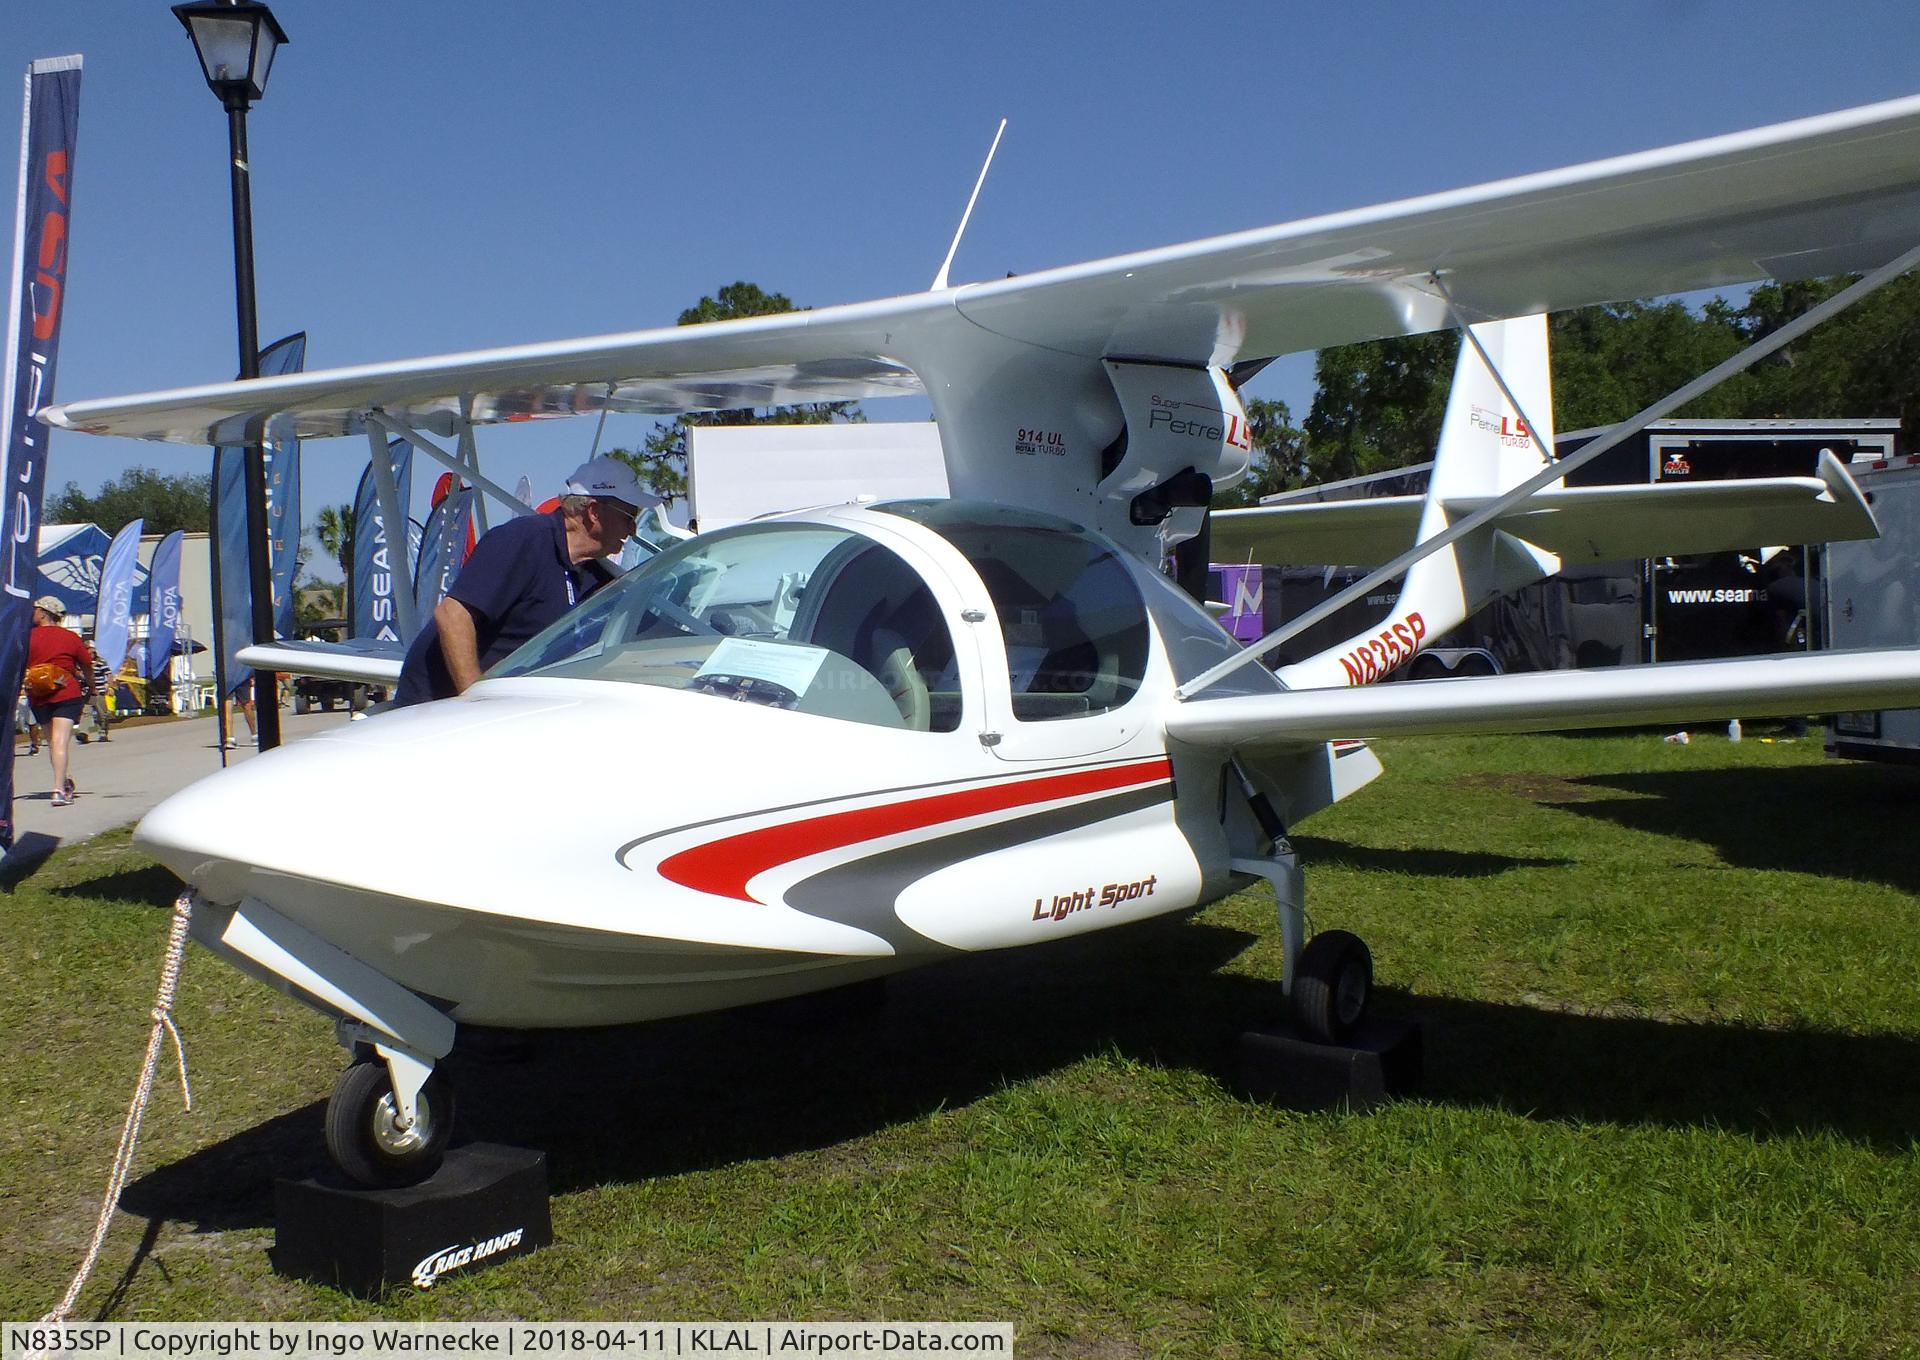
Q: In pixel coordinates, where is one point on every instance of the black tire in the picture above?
(1333, 985)
(299, 702)
(361, 1137)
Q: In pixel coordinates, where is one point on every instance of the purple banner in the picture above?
(51, 120)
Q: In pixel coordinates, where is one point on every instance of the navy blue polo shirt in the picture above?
(517, 581)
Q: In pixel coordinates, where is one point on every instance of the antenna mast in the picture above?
(940, 279)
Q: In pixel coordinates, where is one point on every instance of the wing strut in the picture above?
(452, 462)
(470, 455)
(1553, 471)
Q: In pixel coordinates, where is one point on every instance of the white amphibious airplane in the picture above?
(897, 732)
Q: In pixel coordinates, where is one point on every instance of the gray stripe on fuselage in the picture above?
(863, 893)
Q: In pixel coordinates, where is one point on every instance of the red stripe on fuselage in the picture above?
(725, 867)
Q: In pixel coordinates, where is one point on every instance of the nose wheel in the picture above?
(369, 1139)
(1332, 985)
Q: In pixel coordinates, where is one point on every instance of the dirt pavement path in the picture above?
(121, 779)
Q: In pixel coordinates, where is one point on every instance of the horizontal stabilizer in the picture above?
(1542, 701)
(362, 661)
(1358, 533)
(1608, 523)
(1581, 524)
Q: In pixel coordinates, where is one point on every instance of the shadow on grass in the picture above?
(151, 885)
(1830, 820)
(1317, 853)
(1625, 1070)
(683, 1095)
(24, 858)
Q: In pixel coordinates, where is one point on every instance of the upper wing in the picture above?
(1540, 701)
(1584, 523)
(1823, 195)
(361, 661)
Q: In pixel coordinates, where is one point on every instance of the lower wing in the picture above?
(363, 661)
(1799, 683)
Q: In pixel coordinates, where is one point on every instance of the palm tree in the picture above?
(334, 529)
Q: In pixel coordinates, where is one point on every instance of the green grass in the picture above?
(1671, 1100)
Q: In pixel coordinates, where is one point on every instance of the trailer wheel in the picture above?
(1332, 985)
(299, 702)
(364, 1136)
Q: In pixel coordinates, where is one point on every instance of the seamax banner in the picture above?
(283, 517)
(50, 120)
(372, 581)
(232, 596)
(163, 604)
(113, 611)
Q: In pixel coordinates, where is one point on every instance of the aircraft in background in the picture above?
(931, 727)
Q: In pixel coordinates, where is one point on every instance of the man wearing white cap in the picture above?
(522, 576)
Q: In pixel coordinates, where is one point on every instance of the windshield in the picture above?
(801, 617)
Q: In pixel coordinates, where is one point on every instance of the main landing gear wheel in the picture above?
(364, 1135)
(1332, 985)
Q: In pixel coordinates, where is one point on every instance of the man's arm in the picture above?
(459, 642)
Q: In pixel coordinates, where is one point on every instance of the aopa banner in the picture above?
(51, 123)
(163, 605)
(113, 610)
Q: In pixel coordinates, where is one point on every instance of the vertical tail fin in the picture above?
(1485, 449)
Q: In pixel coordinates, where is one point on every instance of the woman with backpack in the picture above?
(58, 679)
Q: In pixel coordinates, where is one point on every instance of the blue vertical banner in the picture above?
(50, 123)
(371, 583)
(232, 594)
(443, 551)
(113, 609)
(163, 605)
(283, 515)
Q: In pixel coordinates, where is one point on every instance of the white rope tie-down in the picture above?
(163, 1026)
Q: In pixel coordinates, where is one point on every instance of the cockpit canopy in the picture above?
(820, 618)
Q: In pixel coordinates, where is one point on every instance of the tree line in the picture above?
(1379, 404)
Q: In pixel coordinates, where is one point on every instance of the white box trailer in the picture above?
(740, 472)
(1873, 600)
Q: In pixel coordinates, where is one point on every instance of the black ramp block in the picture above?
(487, 1203)
(1378, 1061)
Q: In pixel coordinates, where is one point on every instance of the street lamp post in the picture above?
(236, 41)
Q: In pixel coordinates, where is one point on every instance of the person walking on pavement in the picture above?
(66, 663)
(97, 700)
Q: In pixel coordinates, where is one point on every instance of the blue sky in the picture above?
(432, 176)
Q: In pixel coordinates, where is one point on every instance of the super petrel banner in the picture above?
(113, 609)
(50, 119)
(443, 550)
(163, 605)
(371, 581)
(232, 595)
